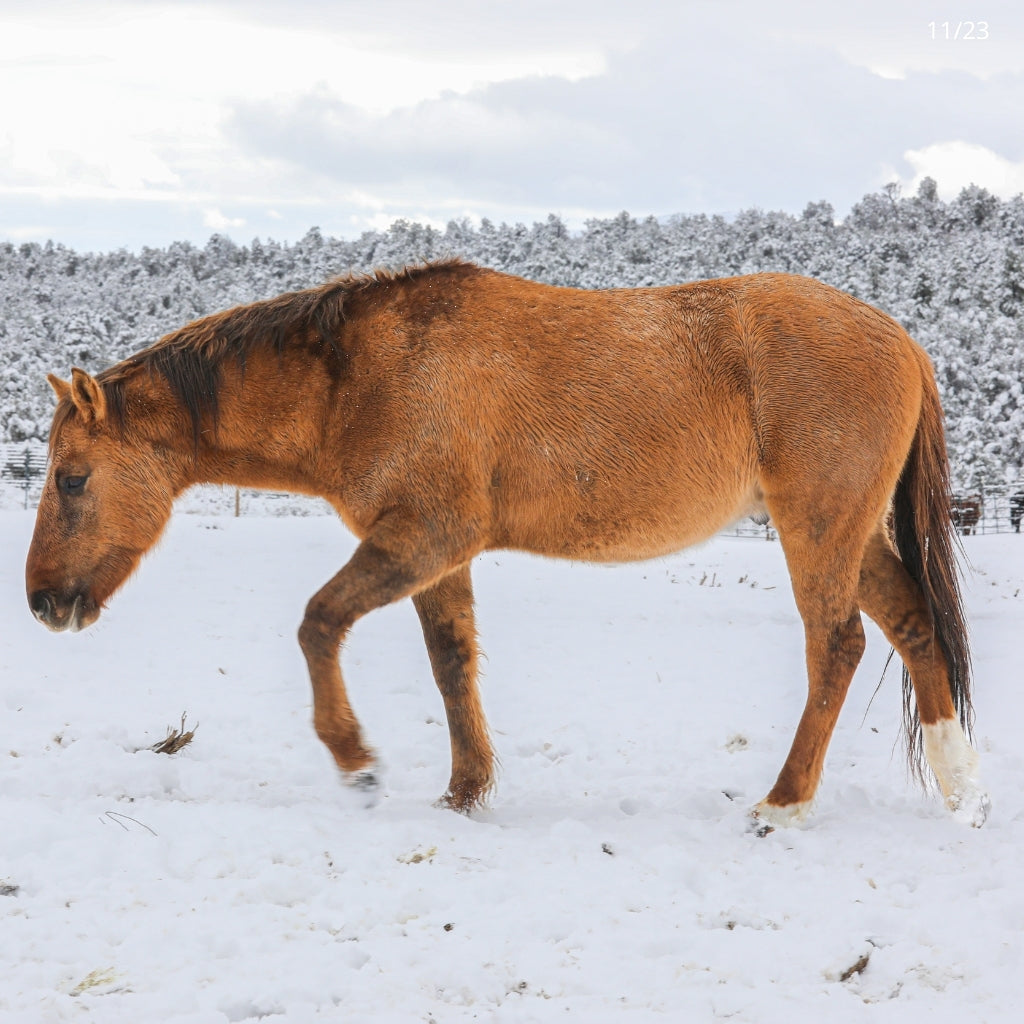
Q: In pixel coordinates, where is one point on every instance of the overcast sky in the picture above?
(138, 123)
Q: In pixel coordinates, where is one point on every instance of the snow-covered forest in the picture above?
(951, 272)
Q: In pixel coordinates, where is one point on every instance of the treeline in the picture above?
(952, 273)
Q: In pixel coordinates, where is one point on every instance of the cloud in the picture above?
(667, 127)
(213, 218)
(703, 113)
(350, 113)
(956, 164)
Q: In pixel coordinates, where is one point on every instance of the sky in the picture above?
(126, 124)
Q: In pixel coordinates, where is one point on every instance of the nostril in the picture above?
(42, 605)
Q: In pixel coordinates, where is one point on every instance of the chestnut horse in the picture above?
(448, 409)
(965, 511)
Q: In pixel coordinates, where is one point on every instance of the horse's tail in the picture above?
(928, 545)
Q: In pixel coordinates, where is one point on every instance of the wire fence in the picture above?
(22, 471)
(991, 508)
(995, 508)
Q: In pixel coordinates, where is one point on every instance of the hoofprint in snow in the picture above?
(639, 712)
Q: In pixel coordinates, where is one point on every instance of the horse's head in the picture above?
(106, 500)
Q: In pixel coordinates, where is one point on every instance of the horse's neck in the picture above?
(265, 434)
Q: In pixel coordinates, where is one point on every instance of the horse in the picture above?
(445, 410)
(1016, 511)
(965, 512)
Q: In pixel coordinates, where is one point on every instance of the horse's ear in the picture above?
(61, 387)
(88, 396)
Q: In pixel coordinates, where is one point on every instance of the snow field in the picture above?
(639, 711)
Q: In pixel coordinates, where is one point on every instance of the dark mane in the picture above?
(190, 358)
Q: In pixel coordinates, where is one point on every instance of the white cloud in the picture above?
(956, 164)
(25, 232)
(131, 97)
(216, 220)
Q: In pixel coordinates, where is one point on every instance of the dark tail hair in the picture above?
(929, 546)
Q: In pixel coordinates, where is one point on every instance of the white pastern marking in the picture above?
(955, 764)
(777, 816)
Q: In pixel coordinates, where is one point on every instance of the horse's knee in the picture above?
(310, 633)
(319, 629)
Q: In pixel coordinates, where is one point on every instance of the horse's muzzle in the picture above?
(57, 614)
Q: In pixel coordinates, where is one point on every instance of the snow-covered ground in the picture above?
(639, 712)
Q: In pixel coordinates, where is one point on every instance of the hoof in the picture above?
(765, 818)
(970, 806)
(464, 799)
(367, 783)
(446, 802)
(955, 764)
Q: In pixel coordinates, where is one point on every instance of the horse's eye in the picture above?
(72, 484)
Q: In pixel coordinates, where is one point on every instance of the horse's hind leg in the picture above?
(446, 614)
(824, 574)
(891, 597)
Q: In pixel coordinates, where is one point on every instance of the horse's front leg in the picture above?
(395, 561)
(446, 614)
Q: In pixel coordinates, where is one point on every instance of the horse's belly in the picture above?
(637, 478)
(630, 525)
